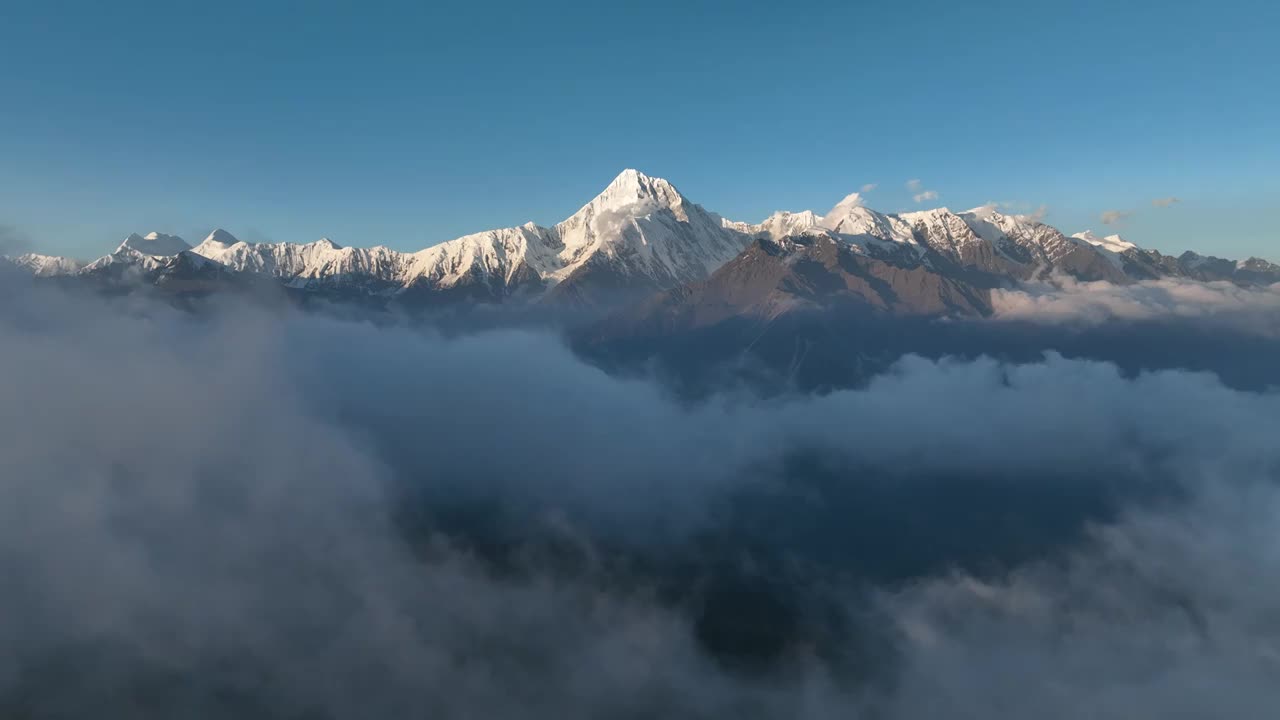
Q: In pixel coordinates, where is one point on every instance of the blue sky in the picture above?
(410, 123)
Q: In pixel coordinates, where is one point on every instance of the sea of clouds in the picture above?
(204, 515)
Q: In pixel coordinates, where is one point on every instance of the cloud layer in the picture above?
(204, 515)
(1254, 310)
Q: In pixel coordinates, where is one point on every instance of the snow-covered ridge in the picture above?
(1114, 243)
(315, 260)
(981, 235)
(639, 225)
(47, 265)
(154, 244)
(641, 232)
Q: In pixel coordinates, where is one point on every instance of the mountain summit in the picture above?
(637, 236)
(632, 188)
(154, 243)
(219, 237)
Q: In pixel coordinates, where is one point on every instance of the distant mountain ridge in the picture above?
(641, 236)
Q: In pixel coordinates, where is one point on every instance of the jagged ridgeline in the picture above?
(641, 237)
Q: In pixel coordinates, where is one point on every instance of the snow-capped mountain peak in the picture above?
(127, 256)
(220, 237)
(852, 219)
(47, 265)
(154, 243)
(643, 229)
(1114, 243)
(784, 223)
(318, 259)
(633, 187)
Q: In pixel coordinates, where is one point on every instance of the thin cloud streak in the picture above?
(1113, 217)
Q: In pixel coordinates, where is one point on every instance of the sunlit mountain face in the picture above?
(641, 236)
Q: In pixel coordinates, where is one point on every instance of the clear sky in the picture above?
(409, 123)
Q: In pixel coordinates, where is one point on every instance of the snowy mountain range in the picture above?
(641, 236)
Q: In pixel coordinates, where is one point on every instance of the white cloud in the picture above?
(1161, 613)
(613, 220)
(1111, 217)
(1253, 310)
(850, 201)
(926, 195)
(869, 187)
(215, 532)
(1165, 202)
(914, 185)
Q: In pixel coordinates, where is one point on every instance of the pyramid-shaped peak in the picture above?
(633, 187)
(221, 237)
(633, 177)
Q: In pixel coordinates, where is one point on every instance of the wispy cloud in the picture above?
(1112, 217)
(869, 187)
(1165, 201)
(914, 185)
(926, 195)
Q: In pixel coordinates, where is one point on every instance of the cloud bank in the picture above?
(205, 515)
(1161, 614)
(1251, 309)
